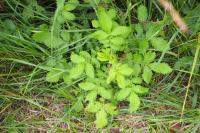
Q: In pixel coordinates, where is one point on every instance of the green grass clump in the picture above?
(98, 66)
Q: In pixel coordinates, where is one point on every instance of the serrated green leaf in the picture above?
(87, 86)
(147, 74)
(91, 96)
(76, 71)
(105, 93)
(121, 31)
(85, 54)
(142, 13)
(111, 76)
(110, 109)
(134, 102)
(105, 20)
(71, 5)
(68, 15)
(93, 107)
(112, 13)
(136, 69)
(66, 78)
(76, 58)
(149, 57)
(140, 89)
(121, 81)
(137, 58)
(160, 44)
(143, 46)
(136, 80)
(95, 23)
(117, 41)
(89, 70)
(101, 119)
(123, 94)
(103, 56)
(53, 76)
(125, 70)
(162, 68)
(99, 35)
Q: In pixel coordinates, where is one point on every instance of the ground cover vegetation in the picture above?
(99, 66)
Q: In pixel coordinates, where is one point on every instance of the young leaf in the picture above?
(143, 46)
(87, 86)
(105, 20)
(121, 81)
(76, 71)
(53, 76)
(140, 89)
(160, 44)
(117, 40)
(95, 23)
(147, 74)
(89, 70)
(149, 57)
(76, 58)
(125, 70)
(121, 30)
(162, 68)
(111, 76)
(103, 56)
(91, 96)
(71, 5)
(99, 35)
(112, 13)
(123, 94)
(93, 107)
(68, 15)
(134, 102)
(101, 119)
(110, 109)
(142, 13)
(105, 93)
(66, 78)
(136, 80)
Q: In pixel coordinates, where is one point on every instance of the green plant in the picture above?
(112, 72)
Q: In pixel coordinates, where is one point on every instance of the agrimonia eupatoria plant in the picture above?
(118, 69)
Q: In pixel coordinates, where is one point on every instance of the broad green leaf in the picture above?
(103, 56)
(99, 35)
(125, 70)
(53, 76)
(105, 93)
(89, 70)
(117, 40)
(112, 13)
(140, 89)
(134, 102)
(123, 94)
(71, 5)
(121, 81)
(78, 106)
(149, 57)
(137, 58)
(136, 69)
(121, 30)
(95, 23)
(67, 78)
(91, 96)
(111, 76)
(136, 80)
(68, 15)
(85, 54)
(105, 20)
(65, 35)
(147, 74)
(153, 29)
(76, 71)
(142, 13)
(110, 109)
(87, 86)
(76, 58)
(162, 68)
(60, 3)
(143, 46)
(101, 119)
(160, 44)
(93, 107)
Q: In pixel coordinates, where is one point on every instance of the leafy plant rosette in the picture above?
(118, 70)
